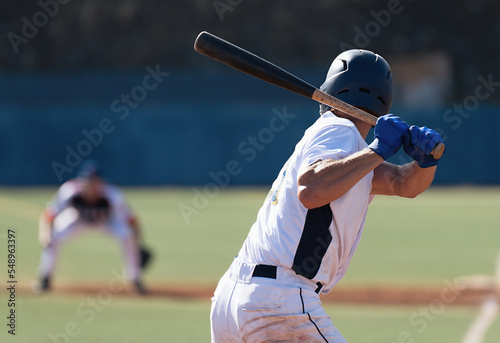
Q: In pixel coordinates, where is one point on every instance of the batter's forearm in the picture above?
(328, 180)
(414, 180)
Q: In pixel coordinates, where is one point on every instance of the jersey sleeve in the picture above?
(330, 142)
(117, 201)
(61, 199)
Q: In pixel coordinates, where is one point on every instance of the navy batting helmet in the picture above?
(362, 79)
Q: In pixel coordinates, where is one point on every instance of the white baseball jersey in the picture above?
(110, 205)
(319, 243)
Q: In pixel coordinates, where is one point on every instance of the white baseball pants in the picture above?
(246, 308)
(67, 225)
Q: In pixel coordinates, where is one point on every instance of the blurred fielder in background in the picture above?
(311, 222)
(89, 203)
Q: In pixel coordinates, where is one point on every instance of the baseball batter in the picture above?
(83, 204)
(311, 222)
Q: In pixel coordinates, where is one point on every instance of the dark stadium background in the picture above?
(64, 63)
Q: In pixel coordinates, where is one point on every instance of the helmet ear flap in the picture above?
(362, 79)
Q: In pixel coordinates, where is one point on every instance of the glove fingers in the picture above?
(407, 138)
(425, 146)
(399, 125)
(389, 132)
(414, 134)
(419, 143)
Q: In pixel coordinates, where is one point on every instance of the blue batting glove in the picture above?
(388, 132)
(419, 142)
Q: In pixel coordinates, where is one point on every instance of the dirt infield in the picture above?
(384, 295)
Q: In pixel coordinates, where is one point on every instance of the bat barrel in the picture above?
(243, 60)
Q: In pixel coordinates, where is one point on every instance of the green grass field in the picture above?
(443, 234)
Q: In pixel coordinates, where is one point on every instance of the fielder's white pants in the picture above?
(67, 225)
(256, 309)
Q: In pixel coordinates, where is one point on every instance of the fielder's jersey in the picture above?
(319, 243)
(111, 203)
(97, 211)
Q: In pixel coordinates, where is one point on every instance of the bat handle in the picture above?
(438, 151)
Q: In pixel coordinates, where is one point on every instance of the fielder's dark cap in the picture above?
(89, 169)
(360, 78)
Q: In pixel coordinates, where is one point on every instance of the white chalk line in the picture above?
(488, 312)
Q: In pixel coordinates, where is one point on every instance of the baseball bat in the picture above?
(249, 63)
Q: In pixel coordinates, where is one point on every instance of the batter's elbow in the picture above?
(304, 197)
(307, 198)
